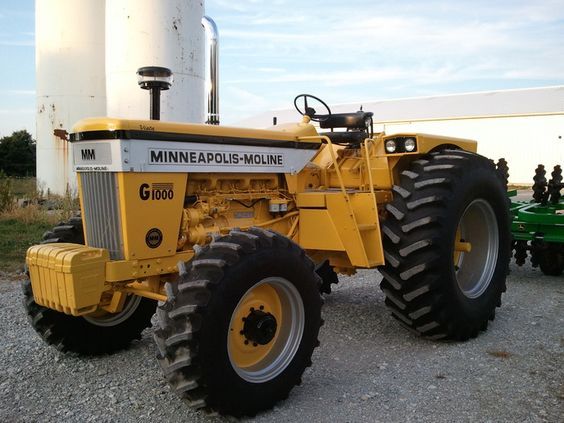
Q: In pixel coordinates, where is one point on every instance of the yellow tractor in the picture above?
(232, 235)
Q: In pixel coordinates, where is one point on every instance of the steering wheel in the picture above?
(310, 111)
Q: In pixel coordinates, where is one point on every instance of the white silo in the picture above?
(70, 81)
(166, 33)
(87, 55)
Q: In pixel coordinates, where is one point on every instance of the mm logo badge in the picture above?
(154, 238)
(88, 154)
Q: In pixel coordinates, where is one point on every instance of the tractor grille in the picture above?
(101, 212)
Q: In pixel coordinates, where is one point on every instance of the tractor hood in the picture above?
(121, 145)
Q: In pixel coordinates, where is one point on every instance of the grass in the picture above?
(22, 227)
(16, 237)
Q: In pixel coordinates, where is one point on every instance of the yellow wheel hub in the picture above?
(244, 352)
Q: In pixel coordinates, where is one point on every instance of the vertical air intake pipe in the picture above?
(212, 70)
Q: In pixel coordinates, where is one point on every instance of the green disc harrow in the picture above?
(538, 225)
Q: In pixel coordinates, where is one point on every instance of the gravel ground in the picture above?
(367, 369)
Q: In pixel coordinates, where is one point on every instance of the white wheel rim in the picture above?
(475, 269)
(114, 319)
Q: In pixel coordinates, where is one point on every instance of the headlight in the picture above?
(400, 145)
(409, 145)
(390, 146)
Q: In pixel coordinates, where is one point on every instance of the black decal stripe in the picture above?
(194, 138)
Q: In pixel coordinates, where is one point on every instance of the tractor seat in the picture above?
(355, 120)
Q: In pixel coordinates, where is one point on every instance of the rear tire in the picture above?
(210, 349)
(70, 231)
(432, 288)
(87, 335)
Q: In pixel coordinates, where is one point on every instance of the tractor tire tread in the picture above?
(411, 236)
(179, 337)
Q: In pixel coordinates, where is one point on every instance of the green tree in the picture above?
(17, 154)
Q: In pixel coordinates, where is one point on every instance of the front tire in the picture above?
(447, 245)
(95, 334)
(240, 326)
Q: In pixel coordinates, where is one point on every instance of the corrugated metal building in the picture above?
(524, 126)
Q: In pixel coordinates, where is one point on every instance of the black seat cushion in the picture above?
(355, 120)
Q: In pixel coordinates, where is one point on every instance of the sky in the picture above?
(342, 51)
